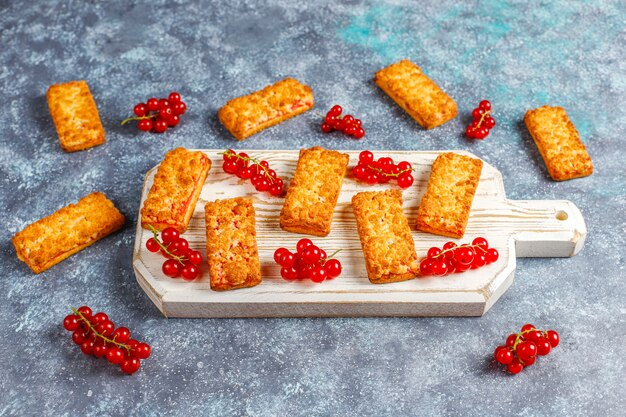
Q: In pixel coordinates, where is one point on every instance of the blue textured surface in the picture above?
(519, 55)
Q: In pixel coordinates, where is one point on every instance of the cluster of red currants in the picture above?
(482, 123)
(382, 170)
(258, 172)
(522, 348)
(158, 114)
(346, 124)
(309, 261)
(452, 258)
(96, 335)
(182, 260)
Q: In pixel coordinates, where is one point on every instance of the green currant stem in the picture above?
(520, 334)
(482, 117)
(179, 259)
(253, 160)
(323, 261)
(130, 119)
(101, 336)
(389, 174)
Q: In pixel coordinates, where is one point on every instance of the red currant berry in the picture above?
(264, 164)
(405, 180)
(489, 122)
(439, 267)
(405, 166)
(115, 355)
(174, 97)
(433, 252)
(169, 234)
(84, 311)
(359, 133)
(526, 349)
(99, 349)
(492, 255)
(529, 361)
(245, 173)
(195, 257)
(163, 103)
(358, 171)
(311, 254)
(152, 245)
(179, 108)
(503, 355)
(481, 242)
(229, 155)
(165, 113)
(464, 255)
(140, 109)
(87, 347)
(71, 323)
(318, 274)
(348, 119)
(230, 167)
(121, 335)
(179, 247)
(338, 124)
(130, 365)
(357, 123)
(335, 110)
(153, 104)
(527, 327)
(426, 266)
(173, 121)
(470, 132)
(142, 351)
(289, 273)
(366, 157)
(79, 336)
(477, 112)
(553, 338)
(481, 133)
(485, 105)
(160, 125)
(278, 253)
(446, 247)
(171, 268)
(534, 336)
(543, 346)
(132, 344)
(303, 244)
(515, 367)
(190, 272)
(263, 185)
(510, 341)
(144, 125)
(349, 130)
(480, 259)
(99, 318)
(276, 190)
(106, 328)
(287, 260)
(326, 127)
(333, 268)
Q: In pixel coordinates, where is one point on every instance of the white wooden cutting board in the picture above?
(515, 228)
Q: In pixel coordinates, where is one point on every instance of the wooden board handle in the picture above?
(543, 228)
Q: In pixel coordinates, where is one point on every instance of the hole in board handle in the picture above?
(561, 215)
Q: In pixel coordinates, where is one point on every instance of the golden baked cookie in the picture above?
(231, 247)
(445, 207)
(176, 189)
(417, 94)
(56, 237)
(558, 142)
(75, 116)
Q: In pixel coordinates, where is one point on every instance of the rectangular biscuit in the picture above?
(52, 239)
(75, 116)
(244, 116)
(175, 191)
(313, 192)
(417, 94)
(231, 247)
(445, 207)
(385, 236)
(558, 142)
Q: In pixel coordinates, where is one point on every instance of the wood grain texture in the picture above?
(515, 228)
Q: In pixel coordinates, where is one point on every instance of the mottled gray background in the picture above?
(517, 54)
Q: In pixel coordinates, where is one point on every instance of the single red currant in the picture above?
(179, 108)
(526, 349)
(190, 272)
(142, 351)
(318, 274)
(553, 338)
(333, 268)
(359, 133)
(477, 112)
(303, 244)
(153, 104)
(160, 125)
(152, 245)
(480, 241)
(84, 311)
(492, 255)
(174, 120)
(130, 365)
(71, 323)
(144, 125)
(366, 157)
(171, 268)
(169, 234)
(327, 127)
(230, 167)
(484, 105)
(174, 97)
(543, 346)
(515, 367)
(115, 355)
(121, 335)
(405, 180)
(527, 327)
(163, 103)
(140, 109)
(503, 355)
